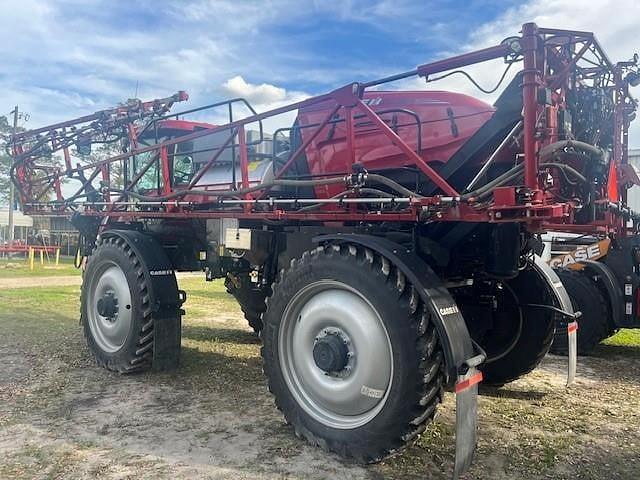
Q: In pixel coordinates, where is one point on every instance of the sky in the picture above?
(64, 58)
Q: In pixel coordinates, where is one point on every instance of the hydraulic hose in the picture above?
(516, 172)
(550, 150)
(566, 169)
(496, 182)
(381, 179)
(370, 191)
(546, 153)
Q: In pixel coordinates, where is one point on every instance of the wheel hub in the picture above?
(108, 305)
(335, 354)
(330, 353)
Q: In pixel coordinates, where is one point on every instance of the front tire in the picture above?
(350, 353)
(116, 314)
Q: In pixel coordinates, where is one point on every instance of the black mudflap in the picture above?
(564, 307)
(167, 338)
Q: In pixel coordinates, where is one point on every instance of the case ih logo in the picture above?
(160, 273)
(584, 252)
(448, 310)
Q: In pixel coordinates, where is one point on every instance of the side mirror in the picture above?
(633, 78)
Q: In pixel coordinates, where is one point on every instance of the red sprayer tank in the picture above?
(447, 120)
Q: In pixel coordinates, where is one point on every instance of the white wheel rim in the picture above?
(354, 396)
(110, 332)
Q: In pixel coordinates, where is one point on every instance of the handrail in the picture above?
(416, 117)
(229, 103)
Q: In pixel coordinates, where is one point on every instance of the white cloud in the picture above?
(265, 97)
(95, 53)
(263, 93)
(614, 22)
(63, 58)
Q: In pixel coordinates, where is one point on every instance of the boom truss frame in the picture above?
(572, 54)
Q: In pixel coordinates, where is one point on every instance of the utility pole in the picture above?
(11, 186)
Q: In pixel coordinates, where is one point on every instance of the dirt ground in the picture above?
(62, 417)
(40, 281)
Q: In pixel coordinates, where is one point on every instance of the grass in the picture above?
(44, 308)
(19, 268)
(625, 343)
(629, 337)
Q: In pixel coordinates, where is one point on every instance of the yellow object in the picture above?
(31, 258)
(41, 257)
(57, 257)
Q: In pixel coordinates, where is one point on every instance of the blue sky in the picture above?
(68, 57)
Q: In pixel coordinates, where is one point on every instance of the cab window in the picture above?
(183, 165)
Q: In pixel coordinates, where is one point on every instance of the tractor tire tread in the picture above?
(140, 358)
(427, 391)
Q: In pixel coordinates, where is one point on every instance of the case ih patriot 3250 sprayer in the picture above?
(385, 246)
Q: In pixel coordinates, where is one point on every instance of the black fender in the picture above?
(460, 356)
(450, 325)
(612, 288)
(559, 294)
(165, 297)
(563, 305)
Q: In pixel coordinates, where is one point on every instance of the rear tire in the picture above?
(252, 300)
(389, 375)
(535, 336)
(593, 325)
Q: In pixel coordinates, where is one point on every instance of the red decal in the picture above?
(469, 382)
(572, 327)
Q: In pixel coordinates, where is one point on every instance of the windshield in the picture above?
(151, 178)
(185, 158)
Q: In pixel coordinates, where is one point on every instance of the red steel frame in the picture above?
(541, 210)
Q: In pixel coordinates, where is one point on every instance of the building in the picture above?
(23, 225)
(56, 231)
(39, 230)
